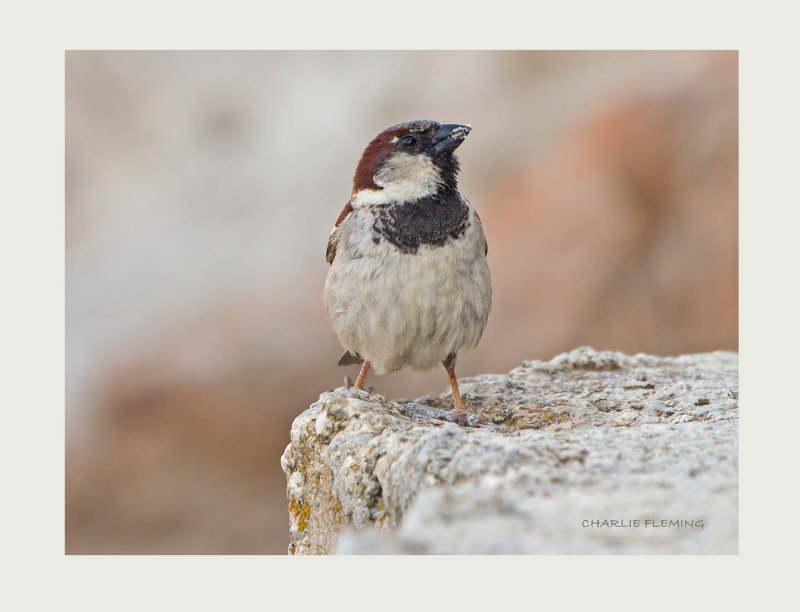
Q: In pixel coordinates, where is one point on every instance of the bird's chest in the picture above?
(427, 271)
(378, 270)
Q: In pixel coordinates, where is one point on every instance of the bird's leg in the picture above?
(459, 414)
(362, 375)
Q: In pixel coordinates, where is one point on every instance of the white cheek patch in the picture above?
(395, 139)
(404, 178)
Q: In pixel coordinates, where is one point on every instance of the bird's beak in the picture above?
(449, 136)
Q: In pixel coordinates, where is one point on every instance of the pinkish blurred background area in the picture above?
(201, 188)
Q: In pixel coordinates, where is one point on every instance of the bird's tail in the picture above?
(350, 358)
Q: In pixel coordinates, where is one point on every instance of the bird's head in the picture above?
(409, 161)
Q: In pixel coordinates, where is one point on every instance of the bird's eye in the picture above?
(408, 141)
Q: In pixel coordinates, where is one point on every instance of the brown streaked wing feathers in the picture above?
(348, 208)
(333, 239)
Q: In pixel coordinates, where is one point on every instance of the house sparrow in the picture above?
(408, 284)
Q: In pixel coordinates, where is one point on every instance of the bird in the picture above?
(409, 283)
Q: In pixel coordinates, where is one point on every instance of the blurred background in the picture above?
(201, 188)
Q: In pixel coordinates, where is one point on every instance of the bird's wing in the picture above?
(485, 242)
(478, 217)
(333, 239)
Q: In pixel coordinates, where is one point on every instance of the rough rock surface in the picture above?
(552, 446)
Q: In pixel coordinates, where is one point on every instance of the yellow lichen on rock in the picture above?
(300, 513)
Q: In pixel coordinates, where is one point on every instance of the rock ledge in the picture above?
(555, 452)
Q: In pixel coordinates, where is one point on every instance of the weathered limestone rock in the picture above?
(553, 446)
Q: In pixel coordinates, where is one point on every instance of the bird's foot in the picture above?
(348, 384)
